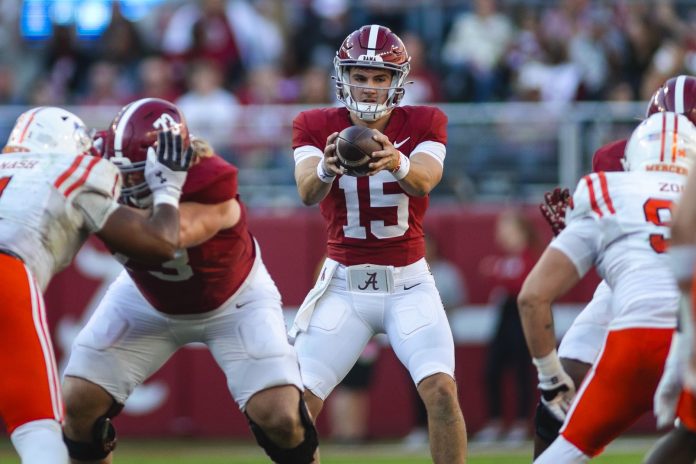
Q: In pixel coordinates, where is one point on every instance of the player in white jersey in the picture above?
(53, 195)
(619, 223)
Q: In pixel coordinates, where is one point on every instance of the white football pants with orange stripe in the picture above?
(617, 391)
(30, 395)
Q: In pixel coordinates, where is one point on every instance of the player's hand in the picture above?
(670, 387)
(554, 208)
(98, 138)
(385, 159)
(330, 161)
(167, 165)
(557, 394)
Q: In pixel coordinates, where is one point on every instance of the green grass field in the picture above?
(625, 451)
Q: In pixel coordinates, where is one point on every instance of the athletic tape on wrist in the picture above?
(549, 366)
(168, 196)
(324, 176)
(402, 169)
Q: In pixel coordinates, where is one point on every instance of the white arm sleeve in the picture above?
(580, 242)
(435, 149)
(307, 151)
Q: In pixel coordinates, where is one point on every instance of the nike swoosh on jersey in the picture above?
(398, 144)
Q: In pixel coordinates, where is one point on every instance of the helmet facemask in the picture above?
(135, 191)
(370, 111)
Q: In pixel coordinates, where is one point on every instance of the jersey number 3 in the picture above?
(658, 212)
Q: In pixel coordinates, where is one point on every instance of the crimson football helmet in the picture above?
(371, 46)
(677, 95)
(131, 135)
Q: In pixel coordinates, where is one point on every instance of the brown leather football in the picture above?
(354, 147)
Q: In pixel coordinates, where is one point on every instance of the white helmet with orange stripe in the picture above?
(49, 129)
(664, 142)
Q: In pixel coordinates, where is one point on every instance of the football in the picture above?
(354, 147)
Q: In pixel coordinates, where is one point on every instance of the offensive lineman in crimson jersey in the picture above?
(375, 278)
(215, 291)
(53, 195)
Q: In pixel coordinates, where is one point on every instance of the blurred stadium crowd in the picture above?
(213, 57)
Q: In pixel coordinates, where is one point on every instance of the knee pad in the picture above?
(103, 438)
(546, 424)
(302, 453)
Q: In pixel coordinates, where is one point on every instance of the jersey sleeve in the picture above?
(591, 199)
(210, 182)
(96, 198)
(580, 242)
(435, 137)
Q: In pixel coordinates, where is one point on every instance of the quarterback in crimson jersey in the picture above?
(381, 227)
(375, 278)
(215, 291)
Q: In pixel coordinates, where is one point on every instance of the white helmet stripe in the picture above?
(372, 40)
(679, 95)
(122, 123)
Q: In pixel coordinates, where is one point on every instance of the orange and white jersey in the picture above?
(619, 222)
(50, 203)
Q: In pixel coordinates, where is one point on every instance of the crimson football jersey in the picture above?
(203, 277)
(608, 157)
(371, 219)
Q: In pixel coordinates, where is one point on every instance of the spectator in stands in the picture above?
(425, 86)
(207, 97)
(473, 52)
(350, 402)
(516, 236)
(122, 44)
(8, 91)
(314, 87)
(157, 80)
(203, 31)
(104, 86)
(65, 63)
(320, 24)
